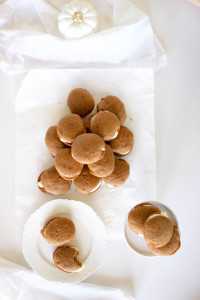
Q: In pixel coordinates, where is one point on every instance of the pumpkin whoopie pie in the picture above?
(120, 173)
(58, 231)
(105, 124)
(123, 143)
(158, 230)
(114, 105)
(88, 148)
(65, 259)
(69, 127)
(66, 165)
(87, 183)
(80, 102)
(138, 216)
(53, 142)
(171, 247)
(50, 182)
(105, 166)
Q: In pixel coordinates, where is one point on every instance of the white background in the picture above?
(177, 117)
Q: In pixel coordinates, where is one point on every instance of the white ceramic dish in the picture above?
(90, 239)
(136, 242)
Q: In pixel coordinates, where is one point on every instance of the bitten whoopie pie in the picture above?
(52, 141)
(158, 230)
(123, 143)
(105, 166)
(171, 247)
(114, 105)
(65, 259)
(58, 231)
(105, 124)
(138, 216)
(88, 148)
(87, 122)
(87, 183)
(50, 182)
(120, 173)
(66, 165)
(80, 102)
(69, 127)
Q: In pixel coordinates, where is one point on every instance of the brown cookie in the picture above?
(88, 148)
(139, 214)
(87, 183)
(80, 102)
(123, 143)
(53, 142)
(105, 166)
(171, 247)
(65, 259)
(58, 231)
(114, 105)
(120, 173)
(66, 166)
(105, 124)
(87, 122)
(158, 230)
(69, 127)
(50, 182)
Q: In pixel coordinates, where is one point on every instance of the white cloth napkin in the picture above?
(19, 283)
(29, 37)
(41, 102)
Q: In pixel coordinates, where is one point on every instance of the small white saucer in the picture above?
(90, 239)
(137, 243)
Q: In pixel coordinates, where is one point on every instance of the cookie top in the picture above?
(88, 148)
(120, 173)
(66, 165)
(80, 102)
(87, 122)
(105, 124)
(138, 216)
(171, 247)
(158, 230)
(114, 105)
(50, 182)
(105, 166)
(87, 183)
(69, 127)
(52, 141)
(65, 259)
(58, 231)
(123, 143)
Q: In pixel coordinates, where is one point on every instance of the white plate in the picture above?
(136, 242)
(90, 239)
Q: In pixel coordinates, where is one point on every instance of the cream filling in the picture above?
(40, 184)
(123, 153)
(116, 134)
(163, 213)
(98, 185)
(110, 185)
(63, 140)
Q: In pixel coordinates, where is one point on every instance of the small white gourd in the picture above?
(77, 19)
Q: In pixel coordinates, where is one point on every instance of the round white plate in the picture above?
(136, 242)
(90, 239)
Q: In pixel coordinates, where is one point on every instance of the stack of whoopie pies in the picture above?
(162, 237)
(57, 232)
(85, 150)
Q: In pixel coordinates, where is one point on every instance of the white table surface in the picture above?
(177, 110)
